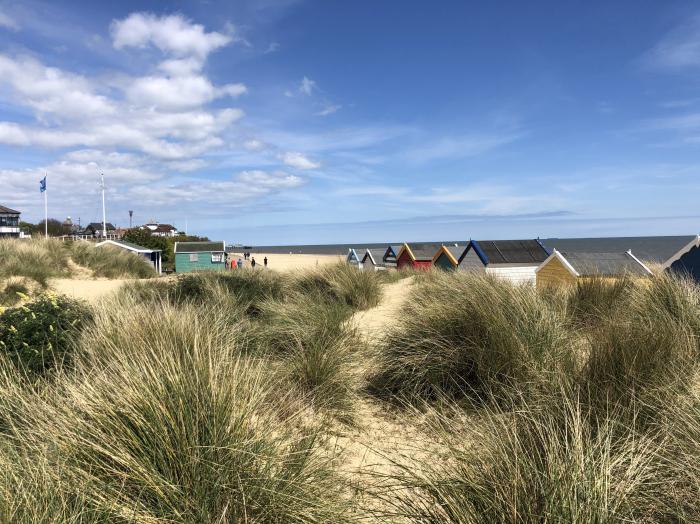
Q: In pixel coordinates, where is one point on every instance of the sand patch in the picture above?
(91, 290)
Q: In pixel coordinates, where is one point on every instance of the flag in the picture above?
(42, 185)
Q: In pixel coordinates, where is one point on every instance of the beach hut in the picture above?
(199, 256)
(512, 260)
(447, 257)
(676, 254)
(391, 255)
(567, 268)
(352, 259)
(372, 259)
(416, 256)
(154, 256)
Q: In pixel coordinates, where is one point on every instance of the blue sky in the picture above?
(282, 121)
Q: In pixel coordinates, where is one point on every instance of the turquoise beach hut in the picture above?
(199, 256)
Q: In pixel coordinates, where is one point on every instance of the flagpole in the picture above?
(46, 211)
(104, 218)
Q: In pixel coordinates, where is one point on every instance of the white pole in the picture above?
(46, 211)
(104, 218)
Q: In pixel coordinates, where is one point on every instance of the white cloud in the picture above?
(329, 110)
(457, 147)
(254, 144)
(680, 49)
(299, 161)
(271, 48)
(8, 22)
(307, 86)
(178, 92)
(172, 34)
(51, 91)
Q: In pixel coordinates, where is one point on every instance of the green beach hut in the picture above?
(199, 256)
(447, 257)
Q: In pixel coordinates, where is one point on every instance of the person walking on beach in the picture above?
(265, 262)
(239, 263)
(252, 262)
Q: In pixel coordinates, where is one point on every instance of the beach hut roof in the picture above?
(127, 245)
(375, 256)
(509, 251)
(198, 247)
(582, 264)
(658, 249)
(453, 253)
(422, 252)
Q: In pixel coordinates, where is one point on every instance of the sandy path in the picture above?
(380, 435)
(372, 323)
(84, 289)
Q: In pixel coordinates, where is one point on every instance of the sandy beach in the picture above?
(278, 262)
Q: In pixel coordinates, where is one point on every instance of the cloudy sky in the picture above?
(283, 121)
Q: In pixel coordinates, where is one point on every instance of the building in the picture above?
(154, 256)
(199, 256)
(447, 257)
(416, 256)
(161, 230)
(9, 223)
(353, 259)
(390, 256)
(677, 254)
(373, 259)
(96, 230)
(568, 268)
(512, 260)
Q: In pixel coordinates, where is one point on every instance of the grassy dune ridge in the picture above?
(244, 396)
(27, 265)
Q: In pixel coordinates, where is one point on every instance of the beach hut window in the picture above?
(216, 257)
(194, 257)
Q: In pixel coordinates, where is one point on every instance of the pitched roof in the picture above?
(127, 245)
(453, 253)
(4, 209)
(603, 264)
(510, 251)
(658, 249)
(164, 228)
(392, 250)
(423, 252)
(97, 226)
(375, 255)
(198, 247)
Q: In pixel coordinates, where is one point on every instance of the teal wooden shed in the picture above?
(199, 256)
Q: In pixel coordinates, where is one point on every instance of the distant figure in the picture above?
(252, 262)
(239, 263)
(265, 261)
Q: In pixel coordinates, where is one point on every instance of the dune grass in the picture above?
(221, 398)
(164, 420)
(109, 262)
(41, 259)
(465, 335)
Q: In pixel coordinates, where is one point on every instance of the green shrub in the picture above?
(12, 293)
(39, 335)
(467, 335)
